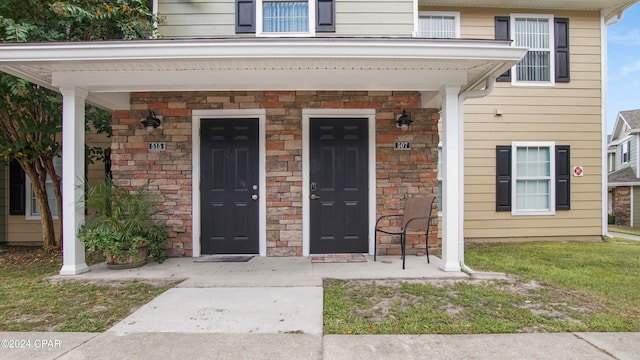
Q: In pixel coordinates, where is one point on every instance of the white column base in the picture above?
(73, 269)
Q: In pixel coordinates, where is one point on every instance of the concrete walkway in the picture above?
(271, 308)
(624, 236)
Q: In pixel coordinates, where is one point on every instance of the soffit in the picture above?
(259, 64)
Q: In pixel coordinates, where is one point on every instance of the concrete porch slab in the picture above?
(268, 272)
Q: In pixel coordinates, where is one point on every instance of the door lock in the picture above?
(254, 197)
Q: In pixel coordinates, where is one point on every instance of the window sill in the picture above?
(38, 218)
(533, 84)
(532, 213)
(308, 34)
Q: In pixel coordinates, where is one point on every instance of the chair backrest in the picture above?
(417, 206)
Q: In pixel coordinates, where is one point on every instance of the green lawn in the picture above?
(574, 286)
(28, 302)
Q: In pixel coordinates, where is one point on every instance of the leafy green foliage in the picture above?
(30, 116)
(123, 221)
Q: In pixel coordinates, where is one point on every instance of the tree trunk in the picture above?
(57, 188)
(38, 178)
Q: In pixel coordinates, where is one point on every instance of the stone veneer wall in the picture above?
(622, 205)
(399, 174)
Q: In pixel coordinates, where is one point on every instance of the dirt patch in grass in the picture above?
(453, 306)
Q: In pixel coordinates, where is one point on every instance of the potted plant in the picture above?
(121, 226)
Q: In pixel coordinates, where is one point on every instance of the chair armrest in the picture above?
(429, 218)
(384, 217)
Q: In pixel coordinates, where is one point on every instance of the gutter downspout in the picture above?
(469, 94)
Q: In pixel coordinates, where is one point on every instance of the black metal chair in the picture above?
(416, 219)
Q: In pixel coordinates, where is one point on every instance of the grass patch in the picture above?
(555, 287)
(28, 302)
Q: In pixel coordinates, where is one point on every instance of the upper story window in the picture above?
(441, 25)
(547, 38)
(285, 17)
(535, 33)
(626, 152)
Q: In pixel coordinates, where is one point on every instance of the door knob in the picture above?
(314, 197)
(254, 197)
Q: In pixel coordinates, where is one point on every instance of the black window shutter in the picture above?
(325, 16)
(16, 189)
(563, 177)
(503, 32)
(562, 49)
(245, 16)
(503, 178)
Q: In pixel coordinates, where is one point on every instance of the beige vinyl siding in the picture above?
(196, 18)
(209, 18)
(566, 113)
(4, 201)
(23, 231)
(373, 18)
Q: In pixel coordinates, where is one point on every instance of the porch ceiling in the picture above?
(111, 70)
(610, 8)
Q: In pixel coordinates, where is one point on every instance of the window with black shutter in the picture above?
(503, 178)
(509, 186)
(285, 16)
(245, 16)
(530, 31)
(325, 16)
(17, 193)
(503, 32)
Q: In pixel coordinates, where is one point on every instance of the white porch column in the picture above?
(72, 179)
(452, 178)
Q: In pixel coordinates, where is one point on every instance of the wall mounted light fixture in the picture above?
(403, 121)
(151, 122)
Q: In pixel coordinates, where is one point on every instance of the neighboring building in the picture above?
(623, 163)
(279, 133)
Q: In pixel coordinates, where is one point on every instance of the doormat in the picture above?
(225, 258)
(338, 258)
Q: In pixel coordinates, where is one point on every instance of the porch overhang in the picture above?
(109, 71)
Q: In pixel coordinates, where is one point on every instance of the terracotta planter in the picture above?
(129, 261)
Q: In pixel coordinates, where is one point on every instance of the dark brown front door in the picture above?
(339, 186)
(229, 186)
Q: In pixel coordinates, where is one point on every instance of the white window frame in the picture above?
(260, 22)
(455, 14)
(552, 47)
(552, 178)
(29, 209)
(623, 152)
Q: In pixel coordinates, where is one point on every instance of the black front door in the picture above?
(229, 186)
(339, 186)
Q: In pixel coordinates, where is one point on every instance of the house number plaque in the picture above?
(157, 146)
(402, 145)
